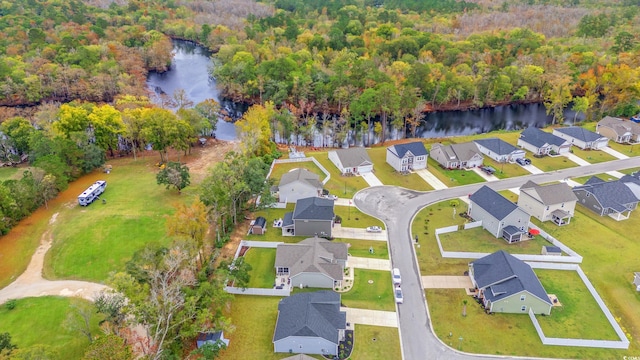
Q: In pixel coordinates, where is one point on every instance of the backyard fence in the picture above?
(557, 243)
(472, 225)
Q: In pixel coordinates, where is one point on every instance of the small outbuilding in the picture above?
(259, 226)
(551, 250)
(636, 280)
(211, 338)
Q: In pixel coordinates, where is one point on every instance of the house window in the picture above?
(523, 308)
(522, 297)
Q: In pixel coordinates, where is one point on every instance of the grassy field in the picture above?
(352, 217)
(375, 342)
(453, 177)
(262, 261)
(549, 163)
(342, 186)
(41, 321)
(10, 172)
(375, 296)
(134, 215)
(593, 157)
(360, 248)
(389, 176)
(480, 240)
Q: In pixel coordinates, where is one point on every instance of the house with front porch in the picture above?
(553, 202)
(506, 284)
(457, 156)
(351, 161)
(310, 323)
(499, 216)
(499, 150)
(613, 198)
(312, 216)
(313, 262)
(582, 138)
(542, 143)
(619, 130)
(407, 157)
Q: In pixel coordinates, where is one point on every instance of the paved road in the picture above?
(396, 207)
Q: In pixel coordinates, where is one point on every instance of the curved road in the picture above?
(397, 207)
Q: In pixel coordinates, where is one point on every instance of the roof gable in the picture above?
(492, 202)
(580, 133)
(621, 127)
(315, 255)
(416, 148)
(313, 208)
(302, 175)
(549, 194)
(614, 195)
(315, 314)
(353, 157)
(496, 145)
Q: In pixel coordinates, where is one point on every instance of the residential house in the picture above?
(499, 150)
(457, 156)
(259, 226)
(613, 198)
(312, 216)
(353, 160)
(313, 262)
(299, 184)
(310, 323)
(407, 157)
(499, 216)
(508, 285)
(555, 202)
(542, 143)
(636, 280)
(581, 137)
(618, 130)
(211, 338)
(299, 357)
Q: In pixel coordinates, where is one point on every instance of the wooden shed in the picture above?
(259, 226)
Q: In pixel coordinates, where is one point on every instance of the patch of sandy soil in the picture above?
(206, 156)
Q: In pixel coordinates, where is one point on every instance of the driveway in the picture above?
(369, 263)
(446, 282)
(484, 175)
(431, 179)
(343, 202)
(615, 153)
(372, 179)
(532, 169)
(396, 207)
(370, 317)
(576, 159)
(357, 233)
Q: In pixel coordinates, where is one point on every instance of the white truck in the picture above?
(92, 193)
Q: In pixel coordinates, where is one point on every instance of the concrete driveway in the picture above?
(371, 317)
(357, 233)
(615, 153)
(431, 179)
(372, 179)
(369, 263)
(484, 175)
(576, 159)
(446, 282)
(532, 169)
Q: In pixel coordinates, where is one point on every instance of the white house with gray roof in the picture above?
(508, 285)
(312, 216)
(407, 157)
(499, 150)
(299, 184)
(313, 262)
(619, 130)
(310, 323)
(499, 216)
(457, 156)
(553, 202)
(581, 137)
(613, 198)
(542, 143)
(353, 160)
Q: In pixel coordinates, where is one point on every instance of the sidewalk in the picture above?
(615, 153)
(369, 263)
(372, 179)
(431, 179)
(371, 317)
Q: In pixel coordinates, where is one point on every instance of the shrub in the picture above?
(11, 304)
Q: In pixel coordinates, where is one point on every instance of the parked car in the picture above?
(397, 279)
(375, 229)
(488, 169)
(523, 161)
(397, 294)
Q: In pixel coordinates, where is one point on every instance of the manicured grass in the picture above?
(376, 342)
(375, 296)
(549, 163)
(630, 171)
(272, 234)
(579, 317)
(453, 177)
(283, 168)
(41, 321)
(10, 172)
(262, 261)
(626, 149)
(480, 240)
(592, 156)
(505, 170)
(92, 241)
(583, 179)
(389, 176)
(342, 186)
(352, 217)
(360, 248)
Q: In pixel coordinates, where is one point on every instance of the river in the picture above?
(190, 71)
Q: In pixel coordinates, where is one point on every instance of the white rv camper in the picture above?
(92, 193)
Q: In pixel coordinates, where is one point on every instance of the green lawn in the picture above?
(579, 317)
(360, 248)
(583, 179)
(375, 296)
(376, 342)
(548, 163)
(480, 240)
(92, 241)
(10, 172)
(352, 217)
(630, 171)
(342, 186)
(453, 177)
(389, 176)
(41, 321)
(592, 156)
(626, 149)
(283, 168)
(507, 170)
(262, 261)
(272, 234)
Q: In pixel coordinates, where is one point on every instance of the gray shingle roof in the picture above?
(539, 138)
(553, 249)
(611, 194)
(288, 219)
(314, 255)
(496, 145)
(313, 208)
(260, 221)
(416, 148)
(620, 126)
(353, 157)
(580, 133)
(503, 275)
(633, 183)
(549, 194)
(458, 152)
(301, 175)
(492, 202)
(313, 314)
